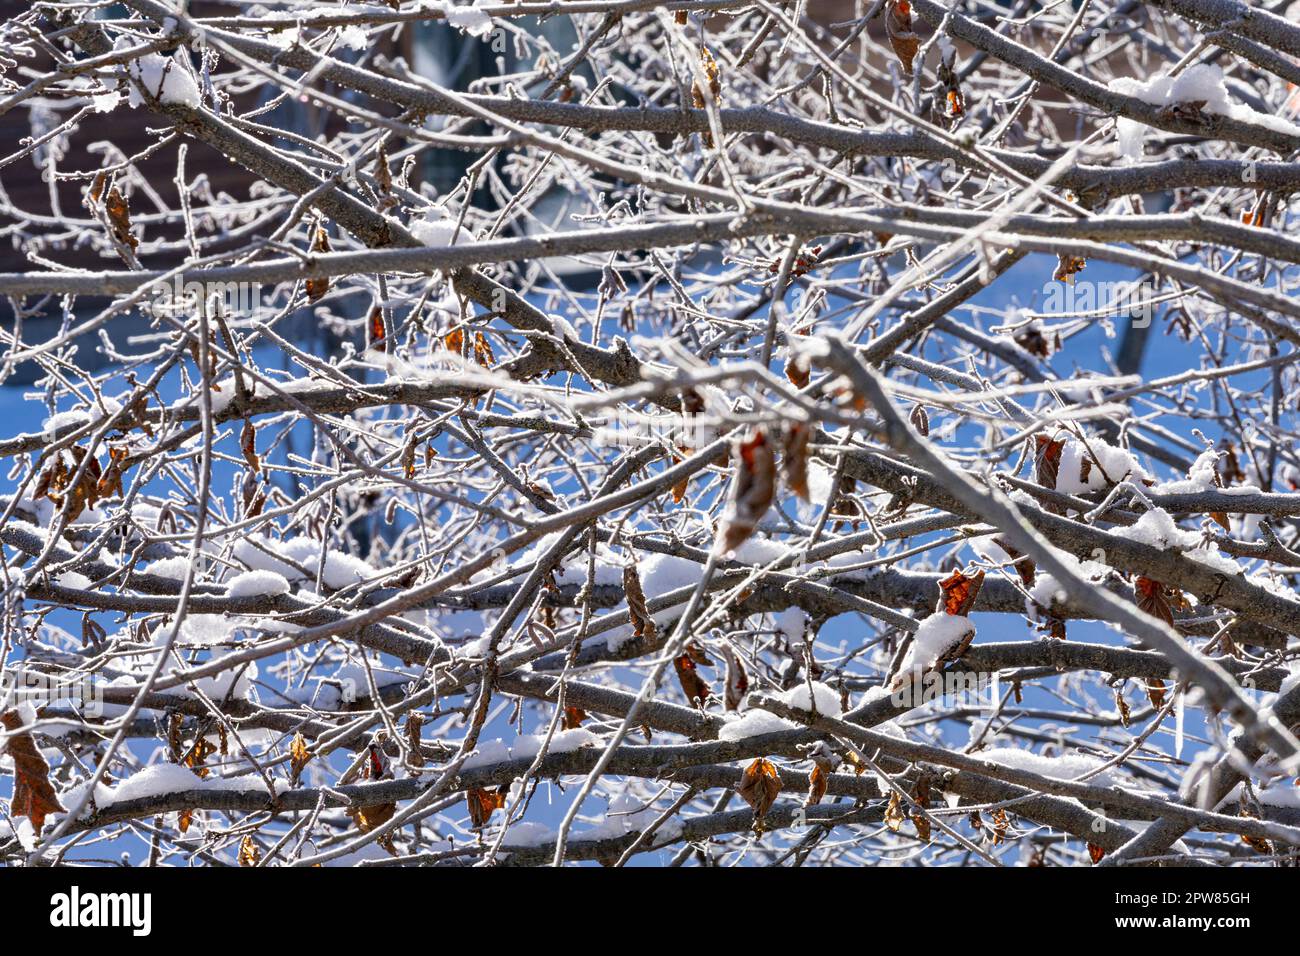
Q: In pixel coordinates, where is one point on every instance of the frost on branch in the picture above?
(460, 434)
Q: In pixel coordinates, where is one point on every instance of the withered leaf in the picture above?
(752, 491)
(922, 824)
(643, 624)
(299, 757)
(1156, 692)
(119, 218)
(57, 484)
(97, 187)
(378, 332)
(1047, 460)
(794, 458)
(1228, 467)
(110, 482)
(482, 803)
(384, 177)
(1067, 267)
(818, 779)
(573, 717)
(693, 685)
(804, 260)
(1001, 824)
(1258, 844)
(33, 794)
(200, 751)
(1095, 853)
(248, 445)
(454, 341)
(797, 371)
(696, 652)
(824, 761)
(956, 103)
(711, 74)
(372, 817)
(760, 785)
(959, 592)
(894, 815)
(250, 854)
(414, 722)
(1151, 599)
(920, 420)
(679, 487)
(92, 632)
(737, 680)
(408, 456)
(709, 68)
(1033, 341)
(319, 286)
(483, 350)
(898, 27)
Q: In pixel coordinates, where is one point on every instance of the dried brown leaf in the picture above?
(33, 794)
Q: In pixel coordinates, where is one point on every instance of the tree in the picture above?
(730, 467)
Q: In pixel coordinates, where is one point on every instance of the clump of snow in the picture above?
(791, 622)
(1290, 683)
(626, 815)
(562, 742)
(55, 423)
(1158, 529)
(1064, 767)
(353, 37)
(820, 483)
(355, 683)
(525, 833)
(173, 569)
(527, 746)
(155, 780)
(257, 584)
(438, 231)
(469, 18)
(1047, 591)
(1103, 465)
(764, 551)
(987, 547)
(1281, 792)
(285, 39)
(1203, 84)
(74, 579)
(204, 629)
(752, 723)
(826, 698)
(102, 797)
(608, 570)
(106, 102)
(159, 779)
(1272, 584)
(1203, 477)
(165, 78)
(234, 684)
(936, 636)
(340, 571)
